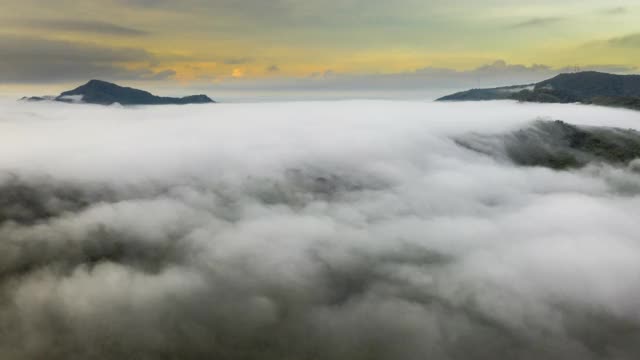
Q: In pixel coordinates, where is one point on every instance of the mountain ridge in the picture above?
(105, 93)
(588, 87)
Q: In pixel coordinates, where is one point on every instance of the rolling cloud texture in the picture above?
(320, 230)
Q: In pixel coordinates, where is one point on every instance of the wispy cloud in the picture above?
(427, 81)
(238, 61)
(96, 27)
(535, 22)
(627, 41)
(615, 11)
(28, 59)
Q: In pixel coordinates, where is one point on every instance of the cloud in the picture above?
(428, 82)
(362, 232)
(27, 59)
(19, 48)
(616, 69)
(537, 22)
(501, 67)
(627, 41)
(81, 26)
(326, 74)
(620, 10)
(238, 61)
(160, 75)
(237, 73)
(273, 69)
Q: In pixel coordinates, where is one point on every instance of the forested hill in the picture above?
(589, 87)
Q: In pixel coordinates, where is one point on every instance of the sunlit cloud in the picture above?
(237, 73)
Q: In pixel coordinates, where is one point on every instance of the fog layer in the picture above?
(322, 230)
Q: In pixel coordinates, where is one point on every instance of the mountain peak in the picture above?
(96, 82)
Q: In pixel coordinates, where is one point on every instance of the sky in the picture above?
(302, 44)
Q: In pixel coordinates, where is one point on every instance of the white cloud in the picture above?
(338, 230)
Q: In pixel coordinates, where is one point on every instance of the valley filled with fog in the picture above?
(311, 230)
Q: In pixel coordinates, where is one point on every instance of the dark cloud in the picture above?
(95, 27)
(41, 60)
(160, 75)
(260, 11)
(537, 22)
(627, 41)
(238, 61)
(298, 14)
(18, 48)
(273, 69)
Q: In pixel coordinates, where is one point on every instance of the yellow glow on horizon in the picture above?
(208, 42)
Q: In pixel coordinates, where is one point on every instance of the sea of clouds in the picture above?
(309, 230)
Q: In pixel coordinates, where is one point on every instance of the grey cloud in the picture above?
(238, 61)
(627, 41)
(537, 22)
(96, 27)
(40, 60)
(615, 11)
(501, 66)
(161, 75)
(300, 14)
(616, 69)
(327, 74)
(429, 81)
(273, 69)
(128, 236)
(18, 48)
(265, 10)
(424, 83)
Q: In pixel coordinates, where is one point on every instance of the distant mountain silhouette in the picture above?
(106, 93)
(589, 87)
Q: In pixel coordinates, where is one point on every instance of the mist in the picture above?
(310, 230)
